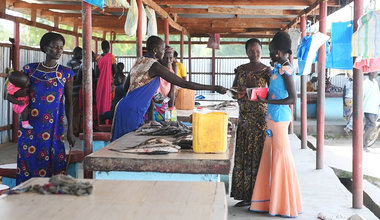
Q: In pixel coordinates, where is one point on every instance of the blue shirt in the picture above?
(277, 90)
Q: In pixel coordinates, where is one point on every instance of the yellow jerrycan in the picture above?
(209, 132)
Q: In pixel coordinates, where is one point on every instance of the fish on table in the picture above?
(152, 146)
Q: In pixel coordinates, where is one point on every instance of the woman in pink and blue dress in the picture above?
(41, 150)
(277, 190)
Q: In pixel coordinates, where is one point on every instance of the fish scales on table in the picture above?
(150, 146)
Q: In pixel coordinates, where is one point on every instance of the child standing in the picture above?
(17, 81)
(277, 189)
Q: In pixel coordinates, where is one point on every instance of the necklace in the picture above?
(49, 67)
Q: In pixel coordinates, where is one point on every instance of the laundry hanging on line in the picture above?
(340, 54)
(307, 52)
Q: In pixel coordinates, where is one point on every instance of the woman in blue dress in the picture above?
(142, 83)
(41, 150)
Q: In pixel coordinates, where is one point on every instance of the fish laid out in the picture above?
(173, 128)
(152, 146)
(230, 104)
(185, 142)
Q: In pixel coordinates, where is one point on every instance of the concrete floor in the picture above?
(322, 191)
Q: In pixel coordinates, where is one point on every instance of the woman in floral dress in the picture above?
(251, 126)
(41, 150)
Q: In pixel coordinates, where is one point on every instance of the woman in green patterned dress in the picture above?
(251, 126)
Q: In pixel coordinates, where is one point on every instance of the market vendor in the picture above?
(142, 83)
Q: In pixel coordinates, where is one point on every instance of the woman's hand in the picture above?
(220, 89)
(259, 99)
(241, 93)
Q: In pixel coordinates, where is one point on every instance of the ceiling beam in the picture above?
(2, 9)
(233, 25)
(241, 11)
(307, 11)
(246, 11)
(43, 26)
(304, 3)
(185, 21)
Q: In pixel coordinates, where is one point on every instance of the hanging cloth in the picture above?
(116, 3)
(295, 37)
(366, 40)
(341, 37)
(143, 21)
(303, 52)
(97, 3)
(130, 26)
(152, 23)
(307, 51)
(213, 41)
(368, 65)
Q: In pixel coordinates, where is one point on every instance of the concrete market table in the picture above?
(113, 199)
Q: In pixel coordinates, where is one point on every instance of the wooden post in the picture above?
(357, 137)
(303, 95)
(181, 47)
(87, 81)
(189, 57)
(139, 29)
(321, 87)
(166, 30)
(96, 47)
(16, 66)
(213, 67)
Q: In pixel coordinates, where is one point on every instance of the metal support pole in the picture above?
(166, 30)
(96, 47)
(87, 81)
(76, 40)
(16, 66)
(303, 95)
(213, 67)
(357, 136)
(139, 29)
(181, 47)
(189, 45)
(321, 87)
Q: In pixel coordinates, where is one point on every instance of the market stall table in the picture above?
(184, 165)
(112, 199)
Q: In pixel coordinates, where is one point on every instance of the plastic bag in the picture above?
(152, 23)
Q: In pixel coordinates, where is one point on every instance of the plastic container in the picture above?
(261, 92)
(185, 99)
(209, 131)
(167, 114)
(173, 114)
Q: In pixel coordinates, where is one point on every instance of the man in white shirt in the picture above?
(371, 102)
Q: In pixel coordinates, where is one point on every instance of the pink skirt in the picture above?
(277, 190)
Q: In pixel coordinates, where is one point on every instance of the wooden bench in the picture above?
(104, 128)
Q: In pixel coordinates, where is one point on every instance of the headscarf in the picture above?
(49, 37)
